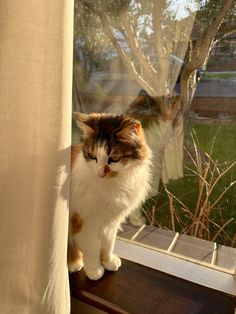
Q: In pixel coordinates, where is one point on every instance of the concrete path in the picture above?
(208, 87)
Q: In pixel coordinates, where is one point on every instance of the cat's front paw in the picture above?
(94, 273)
(76, 266)
(114, 264)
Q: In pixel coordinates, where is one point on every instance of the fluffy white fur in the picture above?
(102, 204)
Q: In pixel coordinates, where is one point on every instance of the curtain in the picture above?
(35, 121)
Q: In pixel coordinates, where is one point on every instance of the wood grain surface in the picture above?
(137, 289)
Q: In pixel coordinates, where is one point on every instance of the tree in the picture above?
(90, 43)
(130, 21)
(158, 38)
(157, 19)
(210, 18)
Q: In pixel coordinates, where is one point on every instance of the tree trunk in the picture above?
(187, 88)
(200, 54)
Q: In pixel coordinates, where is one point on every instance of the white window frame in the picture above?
(202, 273)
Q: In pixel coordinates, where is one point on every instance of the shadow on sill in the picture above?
(138, 289)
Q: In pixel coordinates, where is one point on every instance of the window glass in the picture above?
(171, 64)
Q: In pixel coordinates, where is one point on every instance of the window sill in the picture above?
(186, 257)
(139, 289)
(153, 280)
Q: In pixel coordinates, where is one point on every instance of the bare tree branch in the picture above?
(107, 27)
(146, 65)
(201, 51)
(159, 44)
(204, 44)
(224, 33)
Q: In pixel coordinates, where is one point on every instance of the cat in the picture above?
(110, 177)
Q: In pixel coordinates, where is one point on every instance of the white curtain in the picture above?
(35, 123)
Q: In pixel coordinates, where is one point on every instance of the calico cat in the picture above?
(110, 177)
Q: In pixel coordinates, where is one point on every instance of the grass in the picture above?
(203, 203)
(223, 76)
(225, 142)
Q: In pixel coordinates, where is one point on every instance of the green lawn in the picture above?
(218, 75)
(225, 143)
(187, 188)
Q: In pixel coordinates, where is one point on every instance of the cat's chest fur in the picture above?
(108, 199)
(111, 169)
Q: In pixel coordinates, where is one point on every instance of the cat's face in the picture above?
(111, 143)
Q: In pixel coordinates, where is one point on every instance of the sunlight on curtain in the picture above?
(35, 119)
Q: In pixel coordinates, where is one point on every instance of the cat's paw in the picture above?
(76, 266)
(94, 273)
(113, 265)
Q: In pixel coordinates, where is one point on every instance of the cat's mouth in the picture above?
(107, 172)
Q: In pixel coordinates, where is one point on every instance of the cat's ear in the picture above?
(82, 121)
(134, 127)
(144, 104)
(131, 129)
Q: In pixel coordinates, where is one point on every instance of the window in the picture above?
(157, 50)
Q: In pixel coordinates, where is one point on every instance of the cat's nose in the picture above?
(103, 171)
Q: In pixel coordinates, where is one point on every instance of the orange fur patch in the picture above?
(76, 223)
(143, 150)
(75, 151)
(73, 254)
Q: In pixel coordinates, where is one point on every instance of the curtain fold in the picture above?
(36, 39)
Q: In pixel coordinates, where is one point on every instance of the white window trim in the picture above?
(196, 271)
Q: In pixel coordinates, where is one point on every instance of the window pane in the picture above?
(158, 61)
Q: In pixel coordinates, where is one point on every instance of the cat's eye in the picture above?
(113, 159)
(90, 156)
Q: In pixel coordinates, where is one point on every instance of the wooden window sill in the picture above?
(155, 276)
(139, 289)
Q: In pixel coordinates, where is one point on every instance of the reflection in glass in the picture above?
(142, 58)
